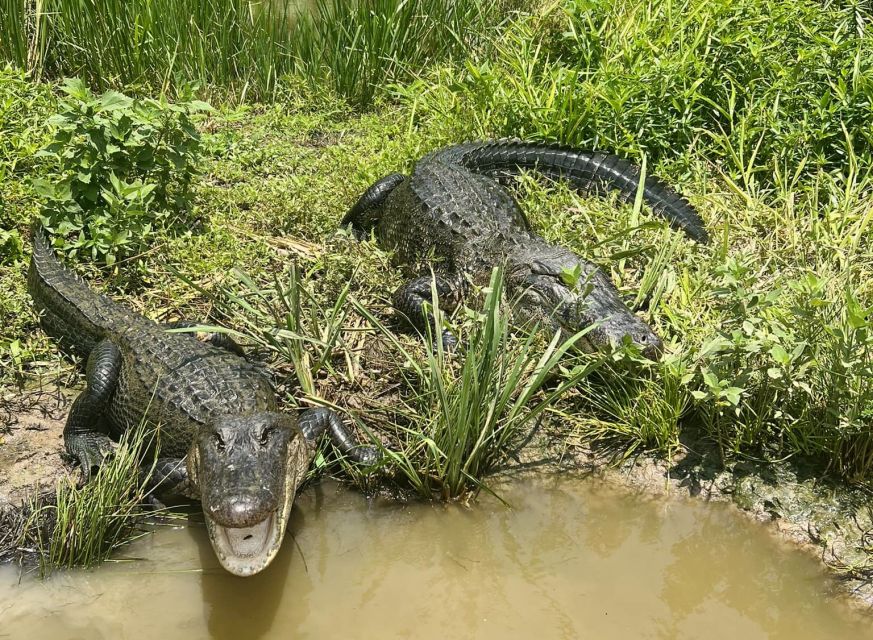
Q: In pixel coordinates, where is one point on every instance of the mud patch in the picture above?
(31, 442)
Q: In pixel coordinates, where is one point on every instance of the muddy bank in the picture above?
(829, 520)
(31, 442)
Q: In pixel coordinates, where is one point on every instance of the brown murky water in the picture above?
(572, 559)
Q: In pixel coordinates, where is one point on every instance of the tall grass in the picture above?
(460, 417)
(242, 48)
(82, 526)
(756, 86)
(450, 419)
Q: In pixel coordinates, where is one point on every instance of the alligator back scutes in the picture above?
(587, 171)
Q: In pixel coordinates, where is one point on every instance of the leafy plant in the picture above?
(10, 245)
(122, 167)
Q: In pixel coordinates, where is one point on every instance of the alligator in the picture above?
(221, 438)
(451, 221)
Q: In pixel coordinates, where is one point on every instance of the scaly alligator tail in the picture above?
(587, 171)
(69, 310)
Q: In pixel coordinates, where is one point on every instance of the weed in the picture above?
(83, 526)
(122, 167)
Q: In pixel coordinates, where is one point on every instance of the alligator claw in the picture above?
(91, 450)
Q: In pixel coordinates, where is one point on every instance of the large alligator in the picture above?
(221, 436)
(450, 222)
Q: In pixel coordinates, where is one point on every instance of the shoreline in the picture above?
(829, 520)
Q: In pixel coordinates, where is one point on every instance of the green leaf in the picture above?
(113, 101)
(711, 380)
(571, 276)
(733, 395)
(780, 355)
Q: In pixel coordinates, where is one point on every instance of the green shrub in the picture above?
(122, 169)
(10, 245)
(790, 368)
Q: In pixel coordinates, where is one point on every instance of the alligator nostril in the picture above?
(248, 537)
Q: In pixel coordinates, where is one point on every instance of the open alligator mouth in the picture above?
(247, 503)
(244, 551)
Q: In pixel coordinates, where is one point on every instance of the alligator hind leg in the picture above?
(411, 299)
(364, 215)
(216, 339)
(84, 439)
(314, 422)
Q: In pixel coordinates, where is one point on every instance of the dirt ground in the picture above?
(31, 442)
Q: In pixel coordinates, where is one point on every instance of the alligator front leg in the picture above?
(315, 422)
(216, 339)
(166, 480)
(364, 215)
(411, 299)
(84, 438)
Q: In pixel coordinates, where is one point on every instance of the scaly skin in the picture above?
(222, 438)
(451, 216)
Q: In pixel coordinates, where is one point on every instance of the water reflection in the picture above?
(237, 607)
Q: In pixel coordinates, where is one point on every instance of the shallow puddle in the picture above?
(572, 559)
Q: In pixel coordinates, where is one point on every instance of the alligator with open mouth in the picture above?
(222, 439)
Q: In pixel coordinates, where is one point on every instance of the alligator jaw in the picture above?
(245, 551)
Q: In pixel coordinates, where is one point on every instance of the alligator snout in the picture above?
(243, 511)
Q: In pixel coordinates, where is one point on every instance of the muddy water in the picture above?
(571, 560)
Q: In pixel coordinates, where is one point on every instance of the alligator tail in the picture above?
(69, 311)
(587, 171)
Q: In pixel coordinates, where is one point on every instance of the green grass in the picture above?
(457, 417)
(82, 526)
(758, 111)
(239, 48)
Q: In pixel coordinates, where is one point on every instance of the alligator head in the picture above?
(246, 470)
(561, 291)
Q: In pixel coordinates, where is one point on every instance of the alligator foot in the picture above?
(412, 299)
(315, 422)
(167, 480)
(220, 340)
(90, 450)
(82, 441)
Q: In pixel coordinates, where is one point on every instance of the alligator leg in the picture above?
(410, 300)
(216, 339)
(168, 480)
(363, 216)
(83, 438)
(314, 422)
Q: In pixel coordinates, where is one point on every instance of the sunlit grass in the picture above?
(83, 526)
(240, 49)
